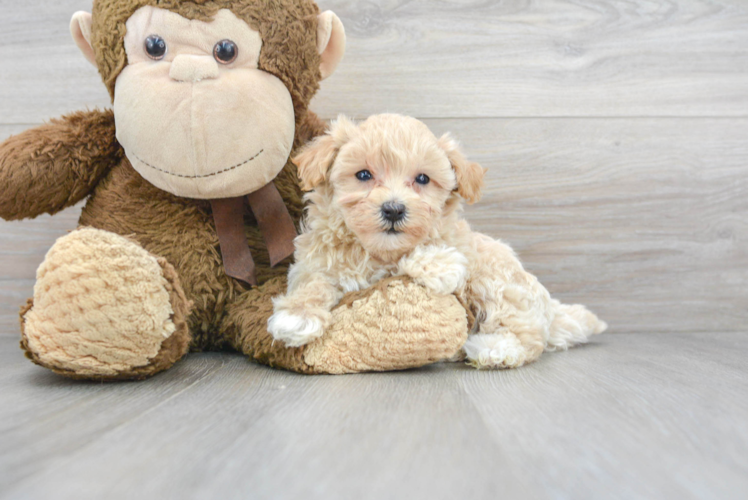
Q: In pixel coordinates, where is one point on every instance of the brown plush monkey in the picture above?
(190, 195)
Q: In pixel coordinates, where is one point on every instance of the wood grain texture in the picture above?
(632, 416)
(645, 221)
(478, 58)
(13, 293)
(458, 58)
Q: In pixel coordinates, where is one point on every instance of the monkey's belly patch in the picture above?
(214, 174)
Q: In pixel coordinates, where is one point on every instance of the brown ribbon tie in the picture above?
(274, 221)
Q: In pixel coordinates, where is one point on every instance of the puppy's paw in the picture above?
(496, 351)
(441, 269)
(294, 330)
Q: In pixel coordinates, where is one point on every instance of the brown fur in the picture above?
(289, 46)
(245, 323)
(59, 164)
(183, 232)
(54, 166)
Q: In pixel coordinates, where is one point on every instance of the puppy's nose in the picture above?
(393, 212)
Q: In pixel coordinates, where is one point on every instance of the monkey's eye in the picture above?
(364, 176)
(155, 47)
(225, 52)
(423, 179)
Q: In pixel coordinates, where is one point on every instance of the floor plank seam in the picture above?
(71, 457)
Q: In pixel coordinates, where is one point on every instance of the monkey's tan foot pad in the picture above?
(105, 309)
(395, 325)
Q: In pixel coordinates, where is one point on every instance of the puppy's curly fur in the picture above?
(386, 200)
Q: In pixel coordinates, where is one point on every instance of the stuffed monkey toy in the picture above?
(192, 202)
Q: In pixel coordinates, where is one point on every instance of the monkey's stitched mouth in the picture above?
(225, 170)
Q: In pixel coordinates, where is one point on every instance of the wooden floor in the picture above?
(616, 138)
(629, 416)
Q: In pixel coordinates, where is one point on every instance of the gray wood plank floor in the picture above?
(628, 416)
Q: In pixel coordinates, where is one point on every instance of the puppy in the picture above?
(385, 201)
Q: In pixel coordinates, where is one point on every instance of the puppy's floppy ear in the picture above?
(317, 157)
(470, 175)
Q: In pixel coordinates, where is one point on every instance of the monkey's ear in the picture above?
(330, 42)
(315, 159)
(80, 28)
(469, 174)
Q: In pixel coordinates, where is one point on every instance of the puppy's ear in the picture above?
(317, 157)
(470, 175)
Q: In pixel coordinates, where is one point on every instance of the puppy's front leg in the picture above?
(442, 269)
(303, 314)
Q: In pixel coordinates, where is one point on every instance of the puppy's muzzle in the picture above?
(394, 212)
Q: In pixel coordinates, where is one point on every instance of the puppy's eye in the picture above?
(364, 176)
(423, 179)
(226, 52)
(155, 47)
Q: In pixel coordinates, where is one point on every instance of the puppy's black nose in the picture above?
(393, 212)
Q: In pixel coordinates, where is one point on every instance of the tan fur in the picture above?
(46, 169)
(290, 50)
(256, 119)
(421, 329)
(347, 245)
(396, 326)
(102, 306)
(314, 162)
(470, 175)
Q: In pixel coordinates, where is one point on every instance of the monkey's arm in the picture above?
(54, 166)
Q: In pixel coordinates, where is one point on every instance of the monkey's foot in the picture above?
(394, 325)
(105, 309)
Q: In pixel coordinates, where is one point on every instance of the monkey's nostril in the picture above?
(393, 212)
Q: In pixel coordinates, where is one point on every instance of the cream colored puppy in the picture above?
(386, 201)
